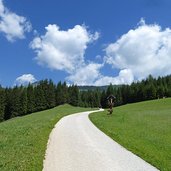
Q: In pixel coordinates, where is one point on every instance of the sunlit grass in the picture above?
(23, 140)
(143, 128)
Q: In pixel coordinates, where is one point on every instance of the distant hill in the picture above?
(87, 87)
(101, 88)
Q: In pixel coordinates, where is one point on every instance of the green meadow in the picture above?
(143, 128)
(23, 140)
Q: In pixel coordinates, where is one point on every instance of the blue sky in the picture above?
(84, 42)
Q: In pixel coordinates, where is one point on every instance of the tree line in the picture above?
(22, 100)
(148, 89)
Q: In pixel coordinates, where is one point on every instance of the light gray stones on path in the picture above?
(75, 144)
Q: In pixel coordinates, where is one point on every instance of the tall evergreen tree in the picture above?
(73, 92)
(119, 100)
(30, 99)
(103, 99)
(23, 102)
(8, 103)
(110, 90)
(62, 95)
(2, 103)
(97, 95)
(59, 94)
(49, 92)
(15, 101)
(40, 101)
(50, 96)
(65, 95)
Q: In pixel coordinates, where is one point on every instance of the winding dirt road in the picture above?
(75, 144)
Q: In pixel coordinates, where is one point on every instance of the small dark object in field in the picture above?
(111, 99)
(110, 111)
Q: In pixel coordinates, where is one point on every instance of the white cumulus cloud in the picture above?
(86, 75)
(25, 79)
(125, 77)
(63, 50)
(90, 75)
(144, 50)
(13, 25)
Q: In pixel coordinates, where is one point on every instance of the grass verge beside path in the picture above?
(143, 128)
(23, 140)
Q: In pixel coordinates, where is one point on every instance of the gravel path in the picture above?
(75, 144)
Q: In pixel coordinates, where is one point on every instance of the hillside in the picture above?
(23, 140)
(93, 88)
(143, 128)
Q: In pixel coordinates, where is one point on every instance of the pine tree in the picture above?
(2, 104)
(8, 104)
(65, 95)
(152, 91)
(109, 90)
(119, 100)
(30, 99)
(103, 99)
(84, 100)
(23, 102)
(62, 95)
(97, 96)
(59, 94)
(40, 101)
(125, 92)
(49, 92)
(50, 96)
(73, 92)
(15, 101)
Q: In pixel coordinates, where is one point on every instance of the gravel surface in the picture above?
(75, 144)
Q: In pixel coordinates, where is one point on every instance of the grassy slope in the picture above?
(23, 140)
(143, 128)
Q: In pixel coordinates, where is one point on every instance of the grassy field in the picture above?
(143, 128)
(23, 140)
